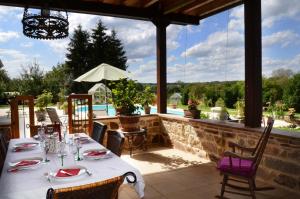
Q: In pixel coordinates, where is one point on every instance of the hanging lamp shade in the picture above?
(45, 24)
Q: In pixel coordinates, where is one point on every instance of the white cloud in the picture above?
(271, 64)
(6, 12)
(13, 60)
(146, 72)
(275, 10)
(5, 36)
(283, 38)
(216, 42)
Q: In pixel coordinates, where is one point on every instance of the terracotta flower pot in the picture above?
(194, 114)
(129, 123)
(147, 109)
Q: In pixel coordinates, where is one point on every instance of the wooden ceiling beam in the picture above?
(214, 6)
(195, 5)
(173, 6)
(150, 3)
(97, 8)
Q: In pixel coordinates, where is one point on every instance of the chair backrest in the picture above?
(98, 132)
(107, 189)
(53, 115)
(115, 142)
(3, 151)
(262, 143)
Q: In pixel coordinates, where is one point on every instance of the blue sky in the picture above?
(212, 51)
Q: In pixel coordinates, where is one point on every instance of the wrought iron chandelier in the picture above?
(46, 24)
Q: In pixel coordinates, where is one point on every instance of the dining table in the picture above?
(33, 183)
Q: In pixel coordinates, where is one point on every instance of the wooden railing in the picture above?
(80, 113)
(14, 106)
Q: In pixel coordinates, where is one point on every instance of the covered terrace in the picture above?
(207, 139)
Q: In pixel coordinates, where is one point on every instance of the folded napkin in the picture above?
(96, 153)
(27, 145)
(26, 163)
(67, 172)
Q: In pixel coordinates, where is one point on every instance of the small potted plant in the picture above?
(125, 99)
(192, 111)
(42, 102)
(147, 98)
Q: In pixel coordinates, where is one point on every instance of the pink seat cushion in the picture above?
(239, 166)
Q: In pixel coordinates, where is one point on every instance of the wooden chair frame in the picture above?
(255, 156)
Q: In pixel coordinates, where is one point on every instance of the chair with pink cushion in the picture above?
(241, 168)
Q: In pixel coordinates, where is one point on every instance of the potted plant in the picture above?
(125, 99)
(147, 98)
(42, 102)
(192, 111)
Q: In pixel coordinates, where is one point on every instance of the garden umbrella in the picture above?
(103, 72)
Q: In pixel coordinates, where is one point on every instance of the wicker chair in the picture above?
(107, 189)
(239, 168)
(115, 142)
(98, 132)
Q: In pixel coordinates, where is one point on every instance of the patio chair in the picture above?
(115, 142)
(107, 189)
(53, 115)
(241, 168)
(98, 132)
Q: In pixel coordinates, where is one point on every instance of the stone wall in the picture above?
(209, 139)
(150, 122)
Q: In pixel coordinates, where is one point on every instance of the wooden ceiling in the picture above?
(174, 11)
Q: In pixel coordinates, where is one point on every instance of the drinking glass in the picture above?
(41, 133)
(62, 153)
(78, 146)
(46, 146)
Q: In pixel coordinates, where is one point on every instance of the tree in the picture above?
(292, 93)
(88, 51)
(115, 52)
(281, 72)
(77, 59)
(98, 45)
(56, 79)
(31, 80)
(4, 81)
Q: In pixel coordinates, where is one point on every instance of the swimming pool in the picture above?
(112, 110)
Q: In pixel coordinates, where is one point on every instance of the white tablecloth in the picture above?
(33, 184)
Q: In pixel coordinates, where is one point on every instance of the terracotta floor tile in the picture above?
(184, 178)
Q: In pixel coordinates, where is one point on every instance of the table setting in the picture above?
(38, 164)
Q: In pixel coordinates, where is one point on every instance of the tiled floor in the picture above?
(173, 174)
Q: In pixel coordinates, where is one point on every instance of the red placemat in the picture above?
(69, 172)
(96, 153)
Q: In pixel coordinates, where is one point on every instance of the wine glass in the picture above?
(41, 133)
(46, 146)
(62, 153)
(78, 146)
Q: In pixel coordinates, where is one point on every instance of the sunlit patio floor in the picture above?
(173, 174)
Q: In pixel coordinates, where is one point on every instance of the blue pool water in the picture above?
(112, 110)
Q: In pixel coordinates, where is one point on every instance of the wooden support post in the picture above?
(253, 63)
(161, 57)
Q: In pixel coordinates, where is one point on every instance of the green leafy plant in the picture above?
(125, 96)
(220, 102)
(147, 97)
(44, 100)
(192, 104)
(240, 107)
